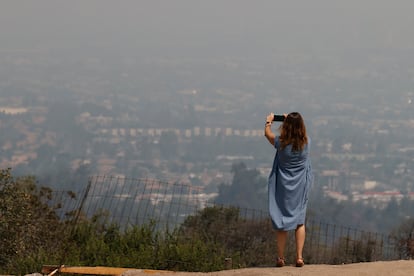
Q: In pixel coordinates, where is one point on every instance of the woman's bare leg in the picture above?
(281, 237)
(300, 234)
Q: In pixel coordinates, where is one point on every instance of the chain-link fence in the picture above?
(129, 202)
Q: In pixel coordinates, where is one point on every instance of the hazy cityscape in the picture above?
(181, 102)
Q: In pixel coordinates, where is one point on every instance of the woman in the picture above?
(289, 182)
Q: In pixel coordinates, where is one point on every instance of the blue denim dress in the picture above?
(288, 188)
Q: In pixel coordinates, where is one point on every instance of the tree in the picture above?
(27, 223)
(249, 242)
(247, 190)
(403, 237)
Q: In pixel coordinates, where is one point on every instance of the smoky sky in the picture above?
(209, 27)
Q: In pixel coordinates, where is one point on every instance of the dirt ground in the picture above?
(391, 268)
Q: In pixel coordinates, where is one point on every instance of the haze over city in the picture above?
(206, 28)
(179, 90)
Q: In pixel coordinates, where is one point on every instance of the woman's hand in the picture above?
(270, 117)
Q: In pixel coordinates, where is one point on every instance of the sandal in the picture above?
(280, 262)
(300, 262)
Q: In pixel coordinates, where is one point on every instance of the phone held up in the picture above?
(279, 118)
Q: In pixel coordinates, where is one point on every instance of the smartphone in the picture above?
(279, 118)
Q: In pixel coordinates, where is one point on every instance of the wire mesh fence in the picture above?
(338, 244)
(138, 201)
(131, 202)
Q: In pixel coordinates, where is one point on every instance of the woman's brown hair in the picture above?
(293, 131)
